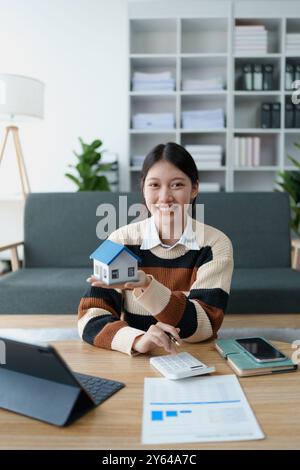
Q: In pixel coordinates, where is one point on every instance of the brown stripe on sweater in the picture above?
(176, 279)
(104, 338)
(173, 312)
(214, 314)
(93, 302)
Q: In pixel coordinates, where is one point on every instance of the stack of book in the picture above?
(212, 84)
(206, 156)
(153, 121)
(137, 160)
(251, 40)
(204, 119)
(209, 187)
(292, 43)
(247, 151)
(162, 81)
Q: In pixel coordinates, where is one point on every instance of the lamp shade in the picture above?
(21, 97)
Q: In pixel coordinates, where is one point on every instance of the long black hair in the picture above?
(178, 156)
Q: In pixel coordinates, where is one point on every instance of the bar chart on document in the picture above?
(202, 409)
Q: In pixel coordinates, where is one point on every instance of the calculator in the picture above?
(180, 366)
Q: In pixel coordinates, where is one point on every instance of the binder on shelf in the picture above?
(257, 77)
(249, 151)
(268, 77)
(246, 151)
(256, 151)
(243, 150)
(247, 77)
(297, 116)
(236, 151)
(289, 115)
(266, 121)
(289, 76)
(275, 115)
(297, 72)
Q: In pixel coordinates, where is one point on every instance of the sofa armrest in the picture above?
(15, 263)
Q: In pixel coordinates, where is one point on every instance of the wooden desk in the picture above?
(116, 424)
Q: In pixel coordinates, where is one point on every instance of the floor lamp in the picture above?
(21, 99)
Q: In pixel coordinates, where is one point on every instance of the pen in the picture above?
(172, 338)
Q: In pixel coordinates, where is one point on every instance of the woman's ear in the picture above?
(195, 190)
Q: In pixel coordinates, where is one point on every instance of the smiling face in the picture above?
(168, 191)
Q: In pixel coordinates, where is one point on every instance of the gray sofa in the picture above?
(60, 234)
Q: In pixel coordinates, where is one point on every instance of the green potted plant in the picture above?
(291, 184)
(90, 168)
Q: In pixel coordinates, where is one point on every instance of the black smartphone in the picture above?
(261, 350)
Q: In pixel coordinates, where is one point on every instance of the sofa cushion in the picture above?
(60, 228)
(58, 291)
(256, 223)
(268, 290)
(43, 290)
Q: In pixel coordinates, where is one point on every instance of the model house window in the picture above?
(104, 273)
(130, 272)
(115, 274)
(97, 270)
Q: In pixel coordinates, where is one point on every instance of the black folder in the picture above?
(35, 381)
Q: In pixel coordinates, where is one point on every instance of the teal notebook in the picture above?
(244, 365)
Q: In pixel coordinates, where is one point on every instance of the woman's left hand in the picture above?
(142, 282)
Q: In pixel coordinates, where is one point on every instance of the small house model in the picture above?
(114, 263)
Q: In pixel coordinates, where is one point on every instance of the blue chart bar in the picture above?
(171, 413)
(157, 416)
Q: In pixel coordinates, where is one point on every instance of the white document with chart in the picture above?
(197, 409)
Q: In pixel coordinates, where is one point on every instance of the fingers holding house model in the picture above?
(143, 281)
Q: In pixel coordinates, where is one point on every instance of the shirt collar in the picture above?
(151, 237)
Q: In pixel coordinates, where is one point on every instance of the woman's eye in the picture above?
(177, 185)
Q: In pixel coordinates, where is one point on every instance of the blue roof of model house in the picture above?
(108, 251)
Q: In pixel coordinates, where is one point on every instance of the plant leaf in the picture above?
(73, 178)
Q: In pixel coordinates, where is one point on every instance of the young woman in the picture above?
(185, 272)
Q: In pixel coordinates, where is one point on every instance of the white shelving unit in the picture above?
(196, 40)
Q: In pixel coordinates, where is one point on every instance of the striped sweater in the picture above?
(189, 290)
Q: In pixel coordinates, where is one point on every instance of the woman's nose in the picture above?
(165, 195)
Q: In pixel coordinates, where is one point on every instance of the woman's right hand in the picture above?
(156, 337)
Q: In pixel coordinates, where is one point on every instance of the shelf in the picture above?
(200, 93)
(256, 131)
(153, 56)
(223, 168)
(199, 46)
(152, 93)
(257, 168)
(258, 56)
(289, 168)
(205, 55)
(152, 131)
(200, 131)
(257, 93)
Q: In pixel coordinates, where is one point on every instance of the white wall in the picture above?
(79, 49)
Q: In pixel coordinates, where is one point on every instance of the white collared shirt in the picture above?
(151, 238)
